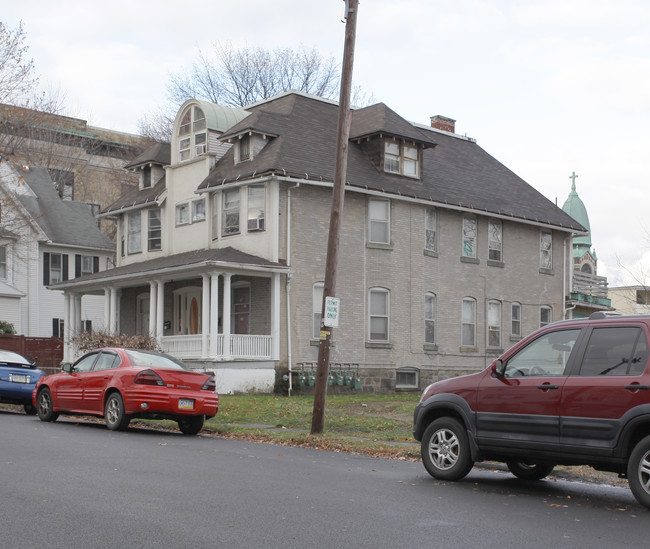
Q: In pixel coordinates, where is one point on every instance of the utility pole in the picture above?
(338, 194)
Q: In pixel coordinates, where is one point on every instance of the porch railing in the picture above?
(241, 346)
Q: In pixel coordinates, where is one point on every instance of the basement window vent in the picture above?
(407, 378)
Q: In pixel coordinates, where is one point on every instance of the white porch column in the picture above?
(227, 300)
(205, 315)
(153, 308)
(113, 323)
(214, 314)
(107, 310)
(160, 311)
(275, 316)
(77, 314)
(67, 348)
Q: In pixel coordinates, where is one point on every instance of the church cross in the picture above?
(572, 177)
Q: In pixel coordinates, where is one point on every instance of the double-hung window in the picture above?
(379, 308)
(256, 207)
(546, 250)
(317, 308)
(198, 210)
(3, 262)
(134, 236)
(430, 230)
(192, 136)
(515, 317)
(230, 216)
(495, 238)
(545, 315)
(468, 335)
(469, 236)
(429, 318)
(154, 237)
(401, 158)
(379, 221)
(494, 324)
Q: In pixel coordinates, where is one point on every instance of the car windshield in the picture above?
(9, 357)
(155, 360)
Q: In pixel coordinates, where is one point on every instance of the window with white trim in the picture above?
(182, 213)
(3, 262)
(198, 210)
(515, 317)
(401, 158)
(546, 250)
(317, 308)
(494, 324)
(430, 318)
(495, 238)
(244, 148)
(379, 314)
(407, 378)
(468, 335)
(379, 221)
(230, 215)
(134, 236)
(430, 230)
(154, 236)
(214, 205)
(545, 315)
(256, 207)
(192, 134)
(469, 236)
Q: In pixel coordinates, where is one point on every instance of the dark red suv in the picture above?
(575, 392)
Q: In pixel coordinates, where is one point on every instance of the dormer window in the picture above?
(401, 158)
(192, 135)
(245, 148)
(146, 177)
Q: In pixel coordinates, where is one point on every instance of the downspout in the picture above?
(288, 289)
(564, 278)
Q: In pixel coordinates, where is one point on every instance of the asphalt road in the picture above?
(75, 484)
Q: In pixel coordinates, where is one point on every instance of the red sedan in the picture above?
(122, 384)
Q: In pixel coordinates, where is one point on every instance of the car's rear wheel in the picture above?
(191, 425)
(638, 471)
(530, 470)
(44, 405)
(30, 409)
(114, 416)
(445, 450)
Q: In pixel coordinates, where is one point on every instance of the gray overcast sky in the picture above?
(547, 87)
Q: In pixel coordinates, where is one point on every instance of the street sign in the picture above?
(332, 305)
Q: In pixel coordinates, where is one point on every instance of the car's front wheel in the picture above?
(530, 470)
(638, 471)
(114, 416)
(44, 405)
(445, 450)
(191, 425)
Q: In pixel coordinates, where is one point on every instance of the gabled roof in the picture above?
(158, 153)
(137, 198)
(456, 172)
(63, 222)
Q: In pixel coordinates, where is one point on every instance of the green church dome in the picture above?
(577, 210)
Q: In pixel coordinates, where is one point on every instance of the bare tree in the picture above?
(238, 77)
(17, 77)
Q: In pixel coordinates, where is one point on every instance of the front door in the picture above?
(241, 306)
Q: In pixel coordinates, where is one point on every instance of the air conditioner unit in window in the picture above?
(256, 224)
(200, 149)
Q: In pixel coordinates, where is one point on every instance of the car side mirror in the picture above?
(500, 368)
(66, 367)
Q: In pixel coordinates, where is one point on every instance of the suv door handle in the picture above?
(637, 387)
(547, 386)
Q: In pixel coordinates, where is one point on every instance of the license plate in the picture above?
(185, 404)
(19, 378)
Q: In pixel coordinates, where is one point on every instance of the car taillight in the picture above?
(209, 385)
(148, 377)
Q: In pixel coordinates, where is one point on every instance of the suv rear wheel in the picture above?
(529, 470)
(638, 471)
(445, 449)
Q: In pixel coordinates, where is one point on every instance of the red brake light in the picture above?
(209, 385)
(148, 377)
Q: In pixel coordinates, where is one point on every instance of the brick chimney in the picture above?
(443, 123)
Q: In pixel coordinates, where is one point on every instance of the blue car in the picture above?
(18, 378)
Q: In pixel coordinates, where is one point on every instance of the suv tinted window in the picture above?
(546, 356)
(613, 351)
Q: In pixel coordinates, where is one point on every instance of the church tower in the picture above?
(584, 258)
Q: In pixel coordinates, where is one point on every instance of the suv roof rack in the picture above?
(603, 314)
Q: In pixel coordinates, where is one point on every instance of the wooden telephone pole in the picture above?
(340, 170)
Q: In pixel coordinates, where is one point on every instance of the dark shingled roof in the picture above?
(137, 197)
(190, 259)
(456, 171)
(158, 153)
(63, 221)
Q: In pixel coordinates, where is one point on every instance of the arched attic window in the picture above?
(192, 135)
